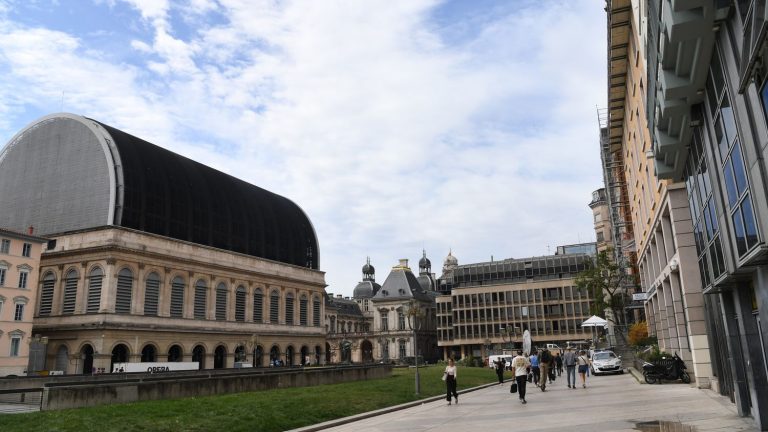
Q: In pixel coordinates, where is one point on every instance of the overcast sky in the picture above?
(397, 126)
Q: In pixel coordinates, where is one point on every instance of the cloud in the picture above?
(394, 132)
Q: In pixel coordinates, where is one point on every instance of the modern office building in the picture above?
(155, 257)
(488, 305)
(706, 108)
(19, 268)
(666, 259)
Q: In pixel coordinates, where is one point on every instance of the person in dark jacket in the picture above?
(500, 365)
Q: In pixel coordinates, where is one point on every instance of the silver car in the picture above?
(606, 362)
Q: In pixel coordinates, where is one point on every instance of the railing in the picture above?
(22, 399)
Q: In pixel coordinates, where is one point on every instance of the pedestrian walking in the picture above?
(544, 362)
(559, 364)
(520, 366)
(583, 363)
(570, 367)
(450, 382)
(500, 365)
(534, 359)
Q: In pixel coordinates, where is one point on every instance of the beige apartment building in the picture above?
(666, 256)
(491, 304)
(19, 267)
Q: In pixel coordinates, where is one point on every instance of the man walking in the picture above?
(534, 359)
(544, 363)
(520, 366)
(570, 367)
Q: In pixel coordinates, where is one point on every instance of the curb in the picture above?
(378, 412)
(637, 374)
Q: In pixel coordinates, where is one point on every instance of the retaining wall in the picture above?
(132, 387)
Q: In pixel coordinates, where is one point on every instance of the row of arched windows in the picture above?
(124, 299)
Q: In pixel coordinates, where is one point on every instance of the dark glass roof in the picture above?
(170, 195)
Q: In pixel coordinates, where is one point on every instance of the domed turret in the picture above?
(369, 273)
(449, 265)
(425, 266)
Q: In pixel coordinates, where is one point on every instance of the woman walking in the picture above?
(450, 382)
(583, 363)
(520, 365)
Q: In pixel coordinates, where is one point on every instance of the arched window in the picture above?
(221, 302)
(198, 355)
(177, 297)
(219, 357)
(240, 304)
(274, 307)
(124, 293)
(148, 354)
(303, 310)
(240, 355)
(400, 320)
(119, 355)
(316, 312)
(333, 324)
(151, 294)
(258, 306)
(175, 354)
(46, 294)
(289, 309)
(70, 292)
(95, 280)
(201, 291)
(274, 356)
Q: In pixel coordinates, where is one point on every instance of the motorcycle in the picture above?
(672, 369)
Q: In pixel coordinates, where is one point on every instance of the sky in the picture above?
(397, 125)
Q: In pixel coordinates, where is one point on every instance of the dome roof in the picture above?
(88, 174)
(424, 262)
(451, 260)
(365, 289)
(368, 268)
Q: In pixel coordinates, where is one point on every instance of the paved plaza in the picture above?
(609, 403)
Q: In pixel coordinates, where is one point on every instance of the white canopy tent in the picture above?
(594, 321)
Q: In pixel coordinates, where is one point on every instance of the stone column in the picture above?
(189, 296)
(82, 289)
(108, 287)
(137, 300)
(164, 297)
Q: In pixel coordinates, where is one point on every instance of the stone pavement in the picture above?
(609, 403)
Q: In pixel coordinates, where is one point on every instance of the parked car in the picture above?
(606, 362)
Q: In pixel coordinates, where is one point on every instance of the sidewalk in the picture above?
(609, 403)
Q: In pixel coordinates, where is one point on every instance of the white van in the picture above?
(492, 361)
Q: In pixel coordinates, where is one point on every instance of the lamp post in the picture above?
(509, 332)
(415, 316)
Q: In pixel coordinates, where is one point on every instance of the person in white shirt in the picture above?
(450, 382)
(520, 365)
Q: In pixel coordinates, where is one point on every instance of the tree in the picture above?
(605, 282)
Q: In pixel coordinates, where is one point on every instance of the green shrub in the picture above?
(653, 354)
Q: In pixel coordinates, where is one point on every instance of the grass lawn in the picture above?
(273, 410)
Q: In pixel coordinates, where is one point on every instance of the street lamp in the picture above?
(415, 316)
(509, 332)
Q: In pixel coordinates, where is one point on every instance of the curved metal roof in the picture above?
(145, 187)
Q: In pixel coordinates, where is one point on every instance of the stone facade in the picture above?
(121, 295)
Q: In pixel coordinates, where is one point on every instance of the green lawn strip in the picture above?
(273, 410)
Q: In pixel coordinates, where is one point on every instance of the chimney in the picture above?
(403, 262)
(31, 230)
(339, 295)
